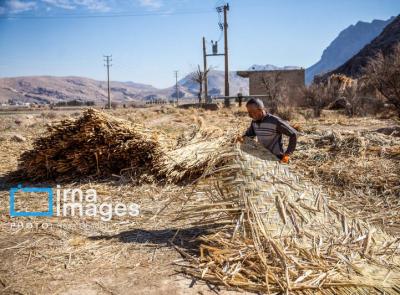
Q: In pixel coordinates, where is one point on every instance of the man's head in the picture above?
(255, 108)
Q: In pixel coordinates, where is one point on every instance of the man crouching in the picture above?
(269, 129)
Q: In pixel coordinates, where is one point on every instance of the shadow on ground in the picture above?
(183, 238)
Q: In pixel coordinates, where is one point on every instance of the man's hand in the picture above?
(240, 138)
(285, 159)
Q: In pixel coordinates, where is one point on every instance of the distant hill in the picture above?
(348, 43)
(50, 89)
(384, 43)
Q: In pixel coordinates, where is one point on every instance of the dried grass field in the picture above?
(160, 251)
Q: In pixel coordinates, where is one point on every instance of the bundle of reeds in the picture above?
(191, 159)
(278, 234)
(94, 144)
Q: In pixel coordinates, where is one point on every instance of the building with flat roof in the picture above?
(292, 81)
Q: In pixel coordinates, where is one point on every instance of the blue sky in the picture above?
(149, 39)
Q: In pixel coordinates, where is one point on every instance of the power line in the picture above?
(72, 16)
(219, 38)
(220, 23)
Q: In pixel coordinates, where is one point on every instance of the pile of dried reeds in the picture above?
(278, 234)
(352, 144)
(98, 144)
(94, 144)
(337, 143)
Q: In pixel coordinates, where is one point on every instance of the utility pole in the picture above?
(176, 87)
(205, 71)
(108, 65)
(226, 8)
(224, 27)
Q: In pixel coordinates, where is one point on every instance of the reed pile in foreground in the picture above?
(280, 235)
(98, 144)
(94, 144)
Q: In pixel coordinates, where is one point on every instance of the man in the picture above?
(269, 129)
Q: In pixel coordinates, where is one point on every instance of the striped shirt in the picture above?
(269, 132)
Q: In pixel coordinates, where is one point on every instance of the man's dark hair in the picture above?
(256, 102)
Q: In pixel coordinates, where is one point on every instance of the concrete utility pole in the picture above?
(226, 8)
(205, 70)
(108, 65)
(224, 26)
(176, 87)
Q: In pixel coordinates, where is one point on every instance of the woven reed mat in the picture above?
(278, 234)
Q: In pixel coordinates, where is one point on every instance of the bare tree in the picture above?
(332, 93)
(275, 90)
(315, 96)
(355, 103)
(383, 72)
(362, 99)
(199, 77)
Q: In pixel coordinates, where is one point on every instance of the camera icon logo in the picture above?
(48, 190)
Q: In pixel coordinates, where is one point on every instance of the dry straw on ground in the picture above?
(360, 169)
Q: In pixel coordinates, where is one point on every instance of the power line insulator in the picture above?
(215, 47)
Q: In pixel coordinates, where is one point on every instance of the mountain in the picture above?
(348, 43)
(50, 89)
(269, 67)
(216, 84)
(384, 43)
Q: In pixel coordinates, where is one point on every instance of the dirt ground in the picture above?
(353, 162)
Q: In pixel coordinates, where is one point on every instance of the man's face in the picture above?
(254, 112)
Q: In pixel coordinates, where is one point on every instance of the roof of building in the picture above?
(245, 74)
